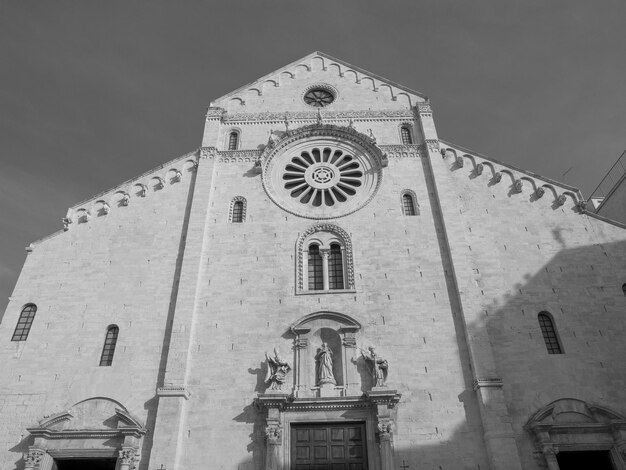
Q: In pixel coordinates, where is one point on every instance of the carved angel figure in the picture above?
(378, 366)
(277, 369)
(324, 358)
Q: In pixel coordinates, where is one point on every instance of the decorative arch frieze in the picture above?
(332, 232)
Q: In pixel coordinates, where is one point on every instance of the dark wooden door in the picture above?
(328, 446)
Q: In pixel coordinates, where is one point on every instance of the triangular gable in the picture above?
(318, 65)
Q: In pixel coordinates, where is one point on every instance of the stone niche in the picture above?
(97, 428)
(313, 401)
(338, 331)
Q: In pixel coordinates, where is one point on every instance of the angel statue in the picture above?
(378, 366)
(277, 369)
(324, 359)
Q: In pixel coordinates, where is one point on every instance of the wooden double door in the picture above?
(328, 446)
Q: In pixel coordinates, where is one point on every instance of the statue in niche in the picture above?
(324, 358)
(277, 369)
(378, 366)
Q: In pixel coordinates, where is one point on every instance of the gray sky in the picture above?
(93, 93)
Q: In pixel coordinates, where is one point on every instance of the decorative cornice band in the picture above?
(172, 391)
(401, 151)
(312, 116)
(491, 382)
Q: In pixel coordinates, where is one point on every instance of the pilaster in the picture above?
(172, 392)
(498, 432)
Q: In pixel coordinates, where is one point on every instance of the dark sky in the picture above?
(94, 93)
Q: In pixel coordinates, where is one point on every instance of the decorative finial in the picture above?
(286, 121)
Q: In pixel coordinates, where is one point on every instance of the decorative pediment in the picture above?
(95, 416)
(343, 322)
(571, 411)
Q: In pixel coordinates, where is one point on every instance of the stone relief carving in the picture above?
(539, 192)
(125, 199)
(517, 186)
(582, 206)
(277, 369)
(66, 223)
(324, 361)
(401, 151)
(561, 200)
(106, 208)
(33, 458)
(378, 366)
(497, 177)
(312, 115)
(143, 189)
(479, 169)
(274, 434)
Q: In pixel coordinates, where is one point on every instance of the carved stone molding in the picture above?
(517, 186)
(238, 156)
(312, 116)
(424, 108)
(401, 151)
(487, 382)
(561, 200)
(432, 145)
(497, 177)
(173, 391)
(274, 434)
(479, 169)
(539, 192)
(244, 208)
(214, 113)
(33, 458)
(208, 152)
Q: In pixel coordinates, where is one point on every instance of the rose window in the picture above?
(318, 97)
(322, 176)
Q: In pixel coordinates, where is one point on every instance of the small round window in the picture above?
(319, 97)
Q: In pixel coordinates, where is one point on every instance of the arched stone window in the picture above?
(237, 211)
(549, 333)
(405, 134)
(233, 140)
(324, 254)
(108, 349)
(409, 203)
(24, 323)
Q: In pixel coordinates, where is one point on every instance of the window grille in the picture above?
(24, 323)
(335, 267)
(549, 334)
(408, 205)
(237, 212)
(316, 276)
(109, 346)
(405, 132)
(233, 141)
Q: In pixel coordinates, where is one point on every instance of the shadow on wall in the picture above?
(582, 289)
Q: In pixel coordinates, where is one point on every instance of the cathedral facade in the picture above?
(323, 284)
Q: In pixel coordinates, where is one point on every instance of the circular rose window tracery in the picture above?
(322, 172)
(322, 176)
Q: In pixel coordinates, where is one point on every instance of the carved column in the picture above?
(384, 402)
(549, 453)
(351, 378)
(34, 459)
(273, 404)
(128, 458)
(325, 254)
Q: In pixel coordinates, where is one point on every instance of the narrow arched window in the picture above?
(405, 132)
(109, 346)
(335, 267)
(24, 323)
(408, 205)
(549, 334)
(624, 288)
(233, 141)
(238, 212)
(316, 276)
